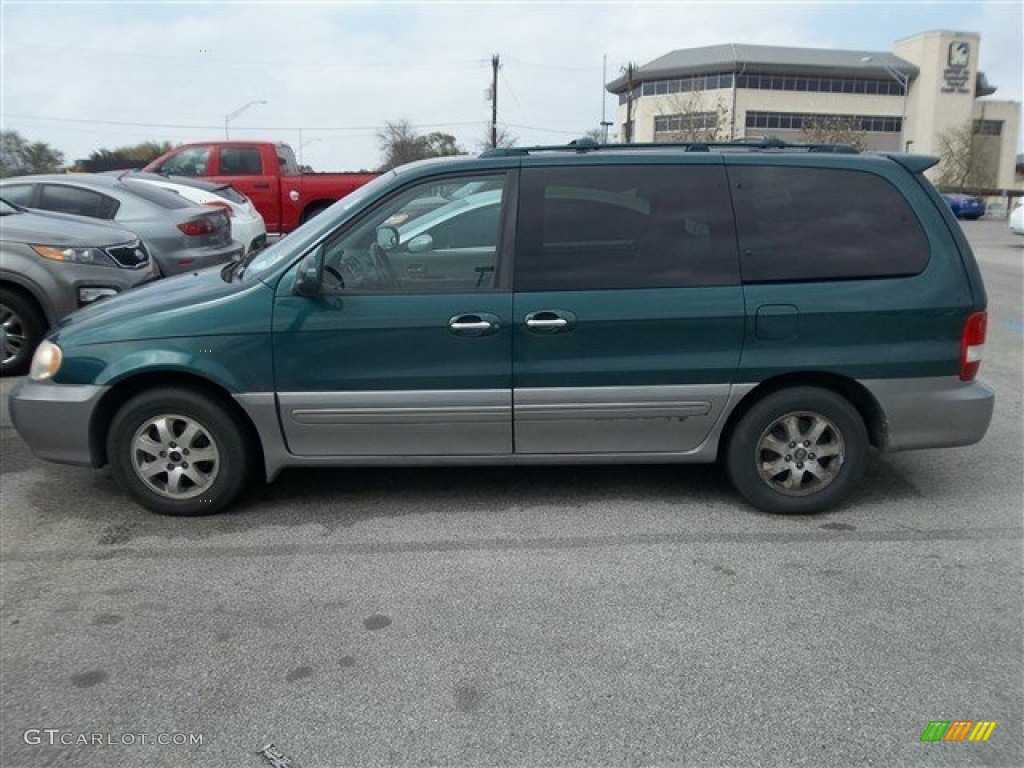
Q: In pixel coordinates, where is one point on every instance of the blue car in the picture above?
(965, 206)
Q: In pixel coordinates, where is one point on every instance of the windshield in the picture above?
(6, 208)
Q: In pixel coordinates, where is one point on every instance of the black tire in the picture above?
(184, 424)
(24, 327)
(798, 476)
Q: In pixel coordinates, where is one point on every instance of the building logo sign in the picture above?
(957, 73)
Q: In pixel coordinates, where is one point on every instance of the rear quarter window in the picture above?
(806, 224)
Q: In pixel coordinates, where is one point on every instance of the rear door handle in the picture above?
(474, 324)
(261, 185)
(550, 321)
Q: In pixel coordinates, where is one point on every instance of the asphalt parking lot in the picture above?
(541, 617)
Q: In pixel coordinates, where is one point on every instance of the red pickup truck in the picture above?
(267, 173)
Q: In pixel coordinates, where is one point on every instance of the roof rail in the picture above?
(585, 145)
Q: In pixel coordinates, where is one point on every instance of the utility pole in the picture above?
(604, 100)
(630, 72)
(494, 100)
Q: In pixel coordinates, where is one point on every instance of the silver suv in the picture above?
(50, 265)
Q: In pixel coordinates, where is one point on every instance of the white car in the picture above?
(1017, 220)
(247, 226)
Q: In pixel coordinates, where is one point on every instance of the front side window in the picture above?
(625, 227)
(823, 224)
(239, 161)
(193, 161)
(437, 237)
(19, 194)
(77, 201)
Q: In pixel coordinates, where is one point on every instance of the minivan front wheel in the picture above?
(798, 451)
(178, 452)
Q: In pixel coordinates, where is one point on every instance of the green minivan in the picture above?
(782, 308)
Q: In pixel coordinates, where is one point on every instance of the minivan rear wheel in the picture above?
(178, 452)
(798, 451)
(23, 328)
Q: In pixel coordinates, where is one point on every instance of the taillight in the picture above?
(196, 227)
(972, 345)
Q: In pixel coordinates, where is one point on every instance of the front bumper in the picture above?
(54, 420)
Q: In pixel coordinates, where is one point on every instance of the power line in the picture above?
(207, 60)
(201, 127)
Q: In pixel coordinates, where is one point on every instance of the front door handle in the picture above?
(550, 321)
(261, 185)
(474, 324)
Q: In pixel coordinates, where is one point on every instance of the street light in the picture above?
(904, 80)
(229, 117)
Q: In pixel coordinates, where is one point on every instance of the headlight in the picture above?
(97, 257)
(46, 361)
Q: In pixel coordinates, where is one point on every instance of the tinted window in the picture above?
(423, 240)
(19, 194)
(165, 198)
(823, 224)
(193, 161)
(239, 161)
(77, 201)
(651, 226)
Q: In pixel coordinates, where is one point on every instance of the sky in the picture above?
(82, 76)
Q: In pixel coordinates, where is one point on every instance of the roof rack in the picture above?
(585, 145)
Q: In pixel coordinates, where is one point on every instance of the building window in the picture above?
(819, 84)
(988, 127)
(709, 82)
(673, 127)
(795, 121)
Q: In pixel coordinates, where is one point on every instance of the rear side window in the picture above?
(77, 201)
(165, 198)
(239, 161)
(800, 224)
(625, 227)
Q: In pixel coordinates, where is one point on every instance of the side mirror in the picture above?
(421, 243)
(310, 277)
(387, 237)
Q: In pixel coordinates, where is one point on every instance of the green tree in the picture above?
(135, 156)
(19, 157)
(401, 144)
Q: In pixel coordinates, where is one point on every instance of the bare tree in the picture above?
(692, 117)
(968, 159)
(401, 144)
(505, 138)
(833, 129)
